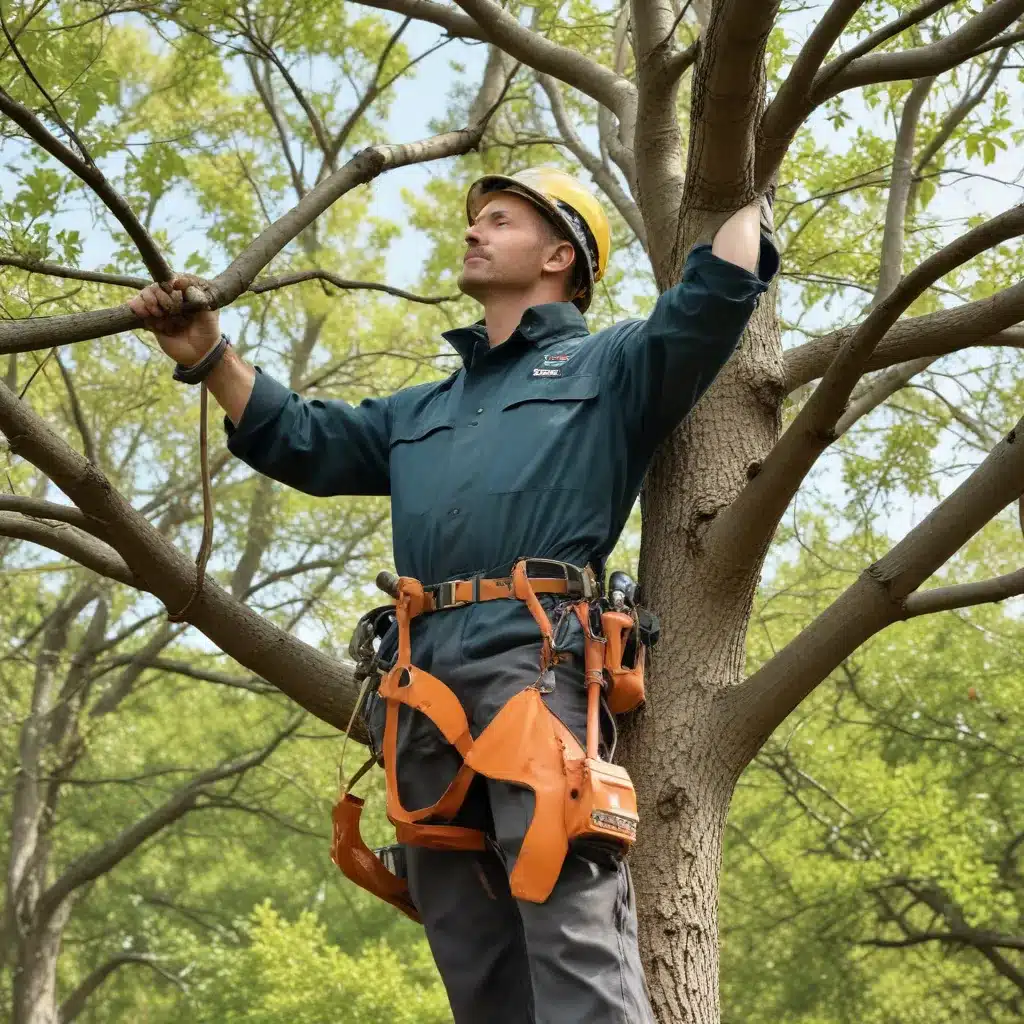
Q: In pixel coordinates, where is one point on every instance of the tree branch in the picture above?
(562, 62)
(983, 323)
(728, 97)
(885, 386)
(39, 509)
(269, 284)
(954, 118)
(793, 103)
(46, 332)
(457, 25)
(880, 596)
(745, 528)
(891, 263)
(88, 172)
(964, 595)
(602, 176)
(75, 1003)
(918, 62)
(72, 543)
(254, 684)
(311, 678)
(263, 284)
(103, 859)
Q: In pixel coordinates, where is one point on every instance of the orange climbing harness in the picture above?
(577, 794)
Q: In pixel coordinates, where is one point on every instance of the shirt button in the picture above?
(454, 512)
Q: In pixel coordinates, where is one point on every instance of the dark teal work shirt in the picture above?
(536, 447)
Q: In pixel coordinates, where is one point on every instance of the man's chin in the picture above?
(472, 286)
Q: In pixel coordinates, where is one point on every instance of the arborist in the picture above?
(495, 672)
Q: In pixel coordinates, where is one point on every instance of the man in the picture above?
(536, 447)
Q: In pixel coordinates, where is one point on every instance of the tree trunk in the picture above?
(35, 977)
(674, 748)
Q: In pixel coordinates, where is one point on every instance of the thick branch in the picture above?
(743, 531)
(94, 178)
(562, 62)
(728, 98)
(72, 543)
(883, 594)
(457, 25)
(793, 103)
(312, 679)
(920, 61)
(99, 861)
(75, 1003)
(603, 177)
(964, 595)
(45, 332)
(39, 509)
(985, 322)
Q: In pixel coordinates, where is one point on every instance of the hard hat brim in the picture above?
(477, 199)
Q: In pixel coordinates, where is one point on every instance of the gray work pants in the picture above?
(571, 960)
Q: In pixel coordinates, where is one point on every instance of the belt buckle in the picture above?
(445, 596)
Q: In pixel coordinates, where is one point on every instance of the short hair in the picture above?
(556, 233)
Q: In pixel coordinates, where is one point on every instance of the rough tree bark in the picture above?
(718, 488)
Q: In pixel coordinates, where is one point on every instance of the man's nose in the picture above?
(472, 235)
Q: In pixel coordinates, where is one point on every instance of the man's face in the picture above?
(510, 247)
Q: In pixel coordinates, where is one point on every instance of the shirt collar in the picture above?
(550, 321)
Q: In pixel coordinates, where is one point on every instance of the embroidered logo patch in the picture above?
(542, 372)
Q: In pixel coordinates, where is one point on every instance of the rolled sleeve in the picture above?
(665, 364)
(319, 447)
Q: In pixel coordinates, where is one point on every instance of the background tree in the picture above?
(245, 135)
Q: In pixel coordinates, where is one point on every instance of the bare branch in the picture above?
(77, 413)
(881, 596)
(885, 386)
(56, 270)
(95, 179)
(39, 509)
(891, 264)
(562, 62)
(457, 25)
(794, 102)
(985, 322)
(269, 284)
(920, 61)
(75, 1003)
(603, 177)
(254, 684)
(103, 859)
(311, 678)
(955, 117)
(265, 92)
(964, 595)
(264, 284)
(44, 332)
(72, 543)
(617, 135)
(745, 527)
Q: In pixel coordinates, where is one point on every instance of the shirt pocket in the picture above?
(420, 451)
(542, 424)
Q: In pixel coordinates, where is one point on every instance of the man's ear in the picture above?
(561, 259)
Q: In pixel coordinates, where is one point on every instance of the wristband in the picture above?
(198, 373)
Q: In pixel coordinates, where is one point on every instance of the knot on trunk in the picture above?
(672, 801)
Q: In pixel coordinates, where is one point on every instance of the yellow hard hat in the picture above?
(565, 201)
